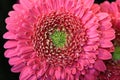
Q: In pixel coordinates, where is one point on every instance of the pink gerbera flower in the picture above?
(57, 40)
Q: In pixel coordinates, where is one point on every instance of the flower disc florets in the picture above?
(59, 38)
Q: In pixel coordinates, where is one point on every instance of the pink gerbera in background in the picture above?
(58, 40)
(113, 66)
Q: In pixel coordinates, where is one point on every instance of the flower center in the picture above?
(58, 38)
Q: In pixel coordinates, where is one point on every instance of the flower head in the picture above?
(113, 9)
(112, 72)
(57, 39)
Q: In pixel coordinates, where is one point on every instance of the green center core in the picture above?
(116, 54)
(58, 38)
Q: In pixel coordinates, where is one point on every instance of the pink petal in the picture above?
(114, 9)
(26, 3)
(23, 34)
(92, 40)
(23, 43)
(69, 4)
(88, 48)
(10, 20)
(91, 75)
(31, 62)
(9, 35)
(26, 50)
(86, 17)
(11, 27)
(118, 2)
(26, 73)
(51, 71)
(92, 61)
(90, 23)
(104, 54)
(74, 70)
(58, 73)
(26, 27)
(88, 3)
(15, 60)
(105, 24)
(93, 28)
(99, 65)
(63, 75)
(80, 12)
(105, 43)
(109, 34)
(91, 54)
(10, 44)
(94, 71)
(77, 76)
(70, 77)
(55, 4)
(62, 3)
(11, 13)
(95, 8)
(17, 8)
(26, 55)
(105, 6)
(10, 53)
(42, 71)
(93, 34)
(35, 66)
(102, 16)
(18, 67)
(33, 77)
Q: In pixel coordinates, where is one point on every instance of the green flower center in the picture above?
(116, 54)
(58, 38)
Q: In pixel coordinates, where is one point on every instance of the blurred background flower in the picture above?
(113, 65)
